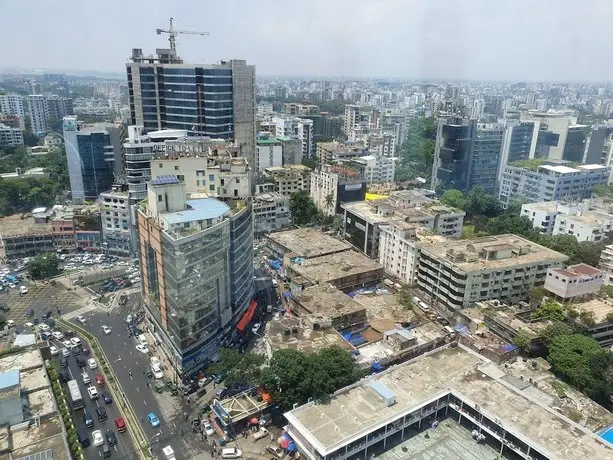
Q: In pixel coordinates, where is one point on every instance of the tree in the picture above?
(44, 265)
(329, 200)
(555, 330)
(550, 310)
(239, 368)
(587, 317)
(523, 341)
(481, 202)
(303, 209)
(417, 151)
(570, 357)
(537, 293)
(454, 198)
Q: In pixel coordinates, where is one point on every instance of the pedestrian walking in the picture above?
(185, 415)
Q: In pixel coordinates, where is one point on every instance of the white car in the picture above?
(91, 362)
(23, 290)
(75, 341)
(157, 372)
(256, 328)
(106, 329)
(81, 319)
(10, 323)
(93, 393)
(67, 344)
(98, 439)
(208, 429)
(142, 348)
(65, 352)
(54, 351)
(29, 324)
(44, 328)
(57, 335)
(85, 377)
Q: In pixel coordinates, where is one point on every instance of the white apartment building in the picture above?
(550, 182)
(377, 169)
(574, 281)
(271, 212)
(397, 250)
(12, 104)
(39, 112)
(289, 126)
(456, 274)
(116, 217)
(352, 118)
(269, 153)
(11, 137)
(332, 185)
(584, 220)
(606, 264)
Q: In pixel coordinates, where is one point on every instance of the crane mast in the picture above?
(172, 34)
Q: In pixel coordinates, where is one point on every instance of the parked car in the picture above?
(208, 429)
(275, 450)
(120, 424)
(91, 362)
(53, 350)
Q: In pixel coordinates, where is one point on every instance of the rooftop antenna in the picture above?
(172, 34)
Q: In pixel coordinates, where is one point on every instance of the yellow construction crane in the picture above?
(172, 34)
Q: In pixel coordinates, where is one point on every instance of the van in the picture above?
(83, 438)
(142, 340)
(231, 452)
(448, 329)
(106, 451)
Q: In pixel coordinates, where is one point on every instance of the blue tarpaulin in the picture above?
(291, 447)
(275, 264)
(377, 367)
(508, 347)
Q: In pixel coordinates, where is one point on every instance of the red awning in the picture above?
(247, 317)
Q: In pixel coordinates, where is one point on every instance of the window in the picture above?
(200, 172)
(161, 165)
(211, 177)
(212, 187)
(159, 198)
(181, 177)
(176, 167)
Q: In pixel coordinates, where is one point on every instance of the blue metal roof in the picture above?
(201, 209)
(9, 379)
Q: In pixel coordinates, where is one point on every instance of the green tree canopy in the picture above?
(417, 152)
(454, 198)
(43, 266)
(303, 209)
(550, 310)
(570, 357)
(239, 368)
(555, 330)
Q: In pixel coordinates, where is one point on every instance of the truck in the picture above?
(261, 433)
(74, 395)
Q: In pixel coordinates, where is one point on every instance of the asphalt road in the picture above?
(123, 356)
(124, 448)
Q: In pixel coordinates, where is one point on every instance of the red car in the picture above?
(120, 424)
(100, 380)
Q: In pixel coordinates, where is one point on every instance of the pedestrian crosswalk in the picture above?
(80, 311)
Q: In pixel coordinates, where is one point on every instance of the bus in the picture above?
(76, 400)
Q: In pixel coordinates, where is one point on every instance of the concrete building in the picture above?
(297, 128)
(574, 281)
(216, 100)
(452, 153)
(332, 185)
(456, 274)
(11, 412)
(289, 179)
(12, 104)
(300, 110)
(116, 216)
(303, 243)
(485, 156)
(197, 270)
(362, 220)
(271, 212)
(59, 107)
(530, 183)
(39, 112)
(390, 415)
(601, 311)
(377, 169)
(53, 141)
(606, 263)
(352, 118)
(269, 153)
(332, 152)
(11, 137)
(397, 251)
(583, 220)
(35, 173)
(91, 152)
(598, 146)
(518, 143)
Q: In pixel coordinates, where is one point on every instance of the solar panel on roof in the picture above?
(165, 179)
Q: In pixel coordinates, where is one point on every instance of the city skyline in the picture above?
(547, 41)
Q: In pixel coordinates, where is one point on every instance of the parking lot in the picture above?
(41, 298)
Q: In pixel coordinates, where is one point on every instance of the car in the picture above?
(76, 351)
(111, 438)
(91, 362)
(23, 290)
(53, 350)
(81, 319)
(256, 328)
(101, 413)
(87, 418)
(120, 424)
(29, 324)
(129, 319)
(153, 420)
(106, 329)
(93, 393)
(76, 342)
(275, 450)
(84, 350)
(142, 348)
(218, 378)
(85, 377)
(65, 375)
(67, 344)
(44, 328)
(98, 439)
(80, 361)
(64, 361)
(45, 335)
(107, 398)
(65, 352)
(157, 372)
(100, 380)
(208, 429)
(231, 452)
(220, 391)
(204, 382)
(10, 323)
(57, 335)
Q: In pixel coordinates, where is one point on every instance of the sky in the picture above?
(511, 40)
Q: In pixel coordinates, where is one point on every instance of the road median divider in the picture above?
(134, 426)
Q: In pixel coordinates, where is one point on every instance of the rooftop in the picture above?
(334, 267)
(47, 436)
(293, 333)
(601, 307)
(9, 379)
(201, 209)
(559, 168)
(490, 252)
(308, 242)
(326, 301)
(578, 270)
(355, 411)
(26, 360)
(18, 224)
